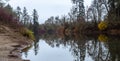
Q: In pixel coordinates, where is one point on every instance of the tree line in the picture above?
(29, 21)
(18, 19)
(18, 15)
(100, 16)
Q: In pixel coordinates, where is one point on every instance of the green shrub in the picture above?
(102, 25)
(27, 33)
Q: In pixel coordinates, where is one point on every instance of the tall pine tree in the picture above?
(35, 21)
(24, 16)
(18, 12)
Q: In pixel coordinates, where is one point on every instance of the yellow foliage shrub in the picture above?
(102, 25)
(27, 33)
(102, 38)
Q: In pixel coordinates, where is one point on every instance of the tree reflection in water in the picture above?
(98, 47)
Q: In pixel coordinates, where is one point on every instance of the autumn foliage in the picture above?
(102, 25)
(102, 38)
(60, 30)
(7, 18)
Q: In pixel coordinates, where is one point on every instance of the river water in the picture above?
(74, 48)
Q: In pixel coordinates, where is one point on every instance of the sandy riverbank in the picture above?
(11, 44)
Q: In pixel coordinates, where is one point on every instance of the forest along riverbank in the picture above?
(11, 44)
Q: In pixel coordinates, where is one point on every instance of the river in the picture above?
(74, 48)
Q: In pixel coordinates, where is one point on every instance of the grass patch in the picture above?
(27, 33)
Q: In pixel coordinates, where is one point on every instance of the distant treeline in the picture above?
(102, 16)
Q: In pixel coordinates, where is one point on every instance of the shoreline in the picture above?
(12, 44)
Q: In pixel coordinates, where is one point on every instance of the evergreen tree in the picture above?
(24, 16)
(35, 21)
(35, 30)
(35, 17)
(1, 3)
(18, 12)
(9, 9)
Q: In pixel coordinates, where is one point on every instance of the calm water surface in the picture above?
(74, 48)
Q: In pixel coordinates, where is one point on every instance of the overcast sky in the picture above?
(46, 8)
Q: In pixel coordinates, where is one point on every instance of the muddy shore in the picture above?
(11, 44)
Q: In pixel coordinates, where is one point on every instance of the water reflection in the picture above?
(83, 47)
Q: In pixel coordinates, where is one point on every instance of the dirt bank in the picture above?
(11, 44)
